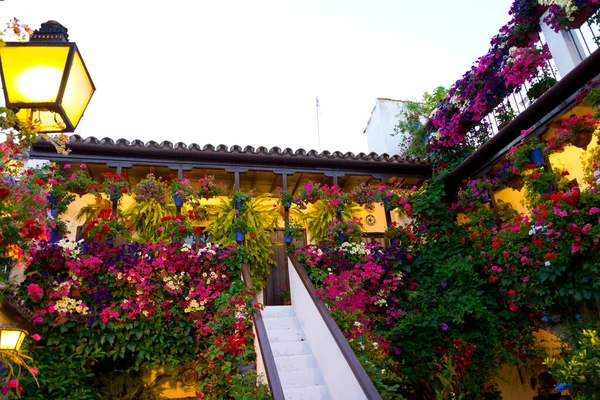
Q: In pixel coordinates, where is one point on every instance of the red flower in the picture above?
(105, 227)
(4, 192)
(182, 229)
(39, 181)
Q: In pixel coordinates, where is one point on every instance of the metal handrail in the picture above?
(357, 369)
(263, 341)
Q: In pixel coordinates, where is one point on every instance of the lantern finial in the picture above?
(50, 31)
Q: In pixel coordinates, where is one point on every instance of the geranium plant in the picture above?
(363, 194)
(239, 200)
(180, 186)
(208, 187)
(474, 194)
(108, 227)
(115, 185)
(286, 199)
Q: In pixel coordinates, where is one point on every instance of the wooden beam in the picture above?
(345, 179)
(297, 184)
(253, 180)
(274, 185)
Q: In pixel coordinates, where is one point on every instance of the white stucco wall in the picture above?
(338, 376)
(379, 130)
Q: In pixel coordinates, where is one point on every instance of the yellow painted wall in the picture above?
(513, 197)
(571, 159)
(171, 389)
(508, 379)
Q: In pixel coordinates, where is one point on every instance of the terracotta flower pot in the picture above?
(515, 182)
(532, 36)
(581, 140)
(503, 124)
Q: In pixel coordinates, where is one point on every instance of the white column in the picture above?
(564, 46)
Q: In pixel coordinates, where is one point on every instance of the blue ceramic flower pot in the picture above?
(114, 195)
(342, 238)
(51, 199)
(537, 156)
(55, 236)
(386, 204)
(177, 200)
(53, 212)
(288, 239)
(238, 204)
(239, 236)
(395, 242)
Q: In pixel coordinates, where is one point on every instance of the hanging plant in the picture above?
(321, 216)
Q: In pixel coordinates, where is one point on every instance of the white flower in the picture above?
(375, 344)
(547, 263)
(596, 174)
(356, 323)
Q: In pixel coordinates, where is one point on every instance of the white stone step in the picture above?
(300, 378)
(295, 362)
(316, 392)
(280, 323)
(284, 335)
(278, 312)
(290, 348)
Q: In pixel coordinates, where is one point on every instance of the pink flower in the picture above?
(526, 279)
(83, 166)
(13, 383)
(67, 166)
(35, 292)
(594, 210)
(34, 370)
(36, 337)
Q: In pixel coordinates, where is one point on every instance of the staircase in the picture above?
(300, 376)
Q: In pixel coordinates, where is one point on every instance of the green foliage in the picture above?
(579, 366)
(321, 217)
(412, 124)
(145, 217)
(261, 218)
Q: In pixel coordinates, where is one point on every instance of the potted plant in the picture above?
(286, 199)
(309, 193)
(507, 174)
(292, 231)
(578, 130)
(286, 295)
(208, 187)
(591, 94)
(178, 228)
(114, 185)
(528, 154)
(504, 114)
(152, 203)
(79, 182)
(345, 230)
(363, 194)
(540, 85)
(398, 234)
(180, 189)
(240, 200)
(335, 197)
(107, 227)
(240, 227)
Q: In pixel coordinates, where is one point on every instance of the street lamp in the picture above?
(45, 80)
(11, 338)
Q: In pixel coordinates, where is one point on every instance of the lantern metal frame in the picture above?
(43, 39)
(20, 340)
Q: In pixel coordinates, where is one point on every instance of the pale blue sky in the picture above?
(247, 72)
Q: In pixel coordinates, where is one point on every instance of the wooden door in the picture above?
(278, 278)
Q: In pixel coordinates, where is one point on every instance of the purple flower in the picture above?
(444, 283)
(444, 327)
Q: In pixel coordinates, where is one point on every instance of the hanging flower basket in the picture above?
(55, 236)
(581, 140)
(515, 182)
(583, 15)
(288, 239)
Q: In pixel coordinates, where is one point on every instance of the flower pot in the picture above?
(288, 239)
(373, 308)
(532, 36)
(238, 204)
(537, 156)
(246, 369)
(342, 238)
(51, 199)
(53, 212)
(581, 139)
(395, 242)
(55, 236)
(515, 182)
(583, 15)
(239, 236)
(386, 204)
(178, 200)
(114, 195)
(503, 124)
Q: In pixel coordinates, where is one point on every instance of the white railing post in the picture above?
(564, 46)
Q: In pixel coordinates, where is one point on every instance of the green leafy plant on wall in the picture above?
(321, 217)
(262, 218)
(152, 204)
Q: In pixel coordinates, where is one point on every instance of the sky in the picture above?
(248, 72)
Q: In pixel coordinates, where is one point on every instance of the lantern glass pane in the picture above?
(44, 120)
(11, 339)
(33, 73)
(78, 91)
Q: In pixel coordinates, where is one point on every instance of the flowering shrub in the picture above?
(151, 188)
(335, 197)
(135, 305)
(178, 228)
(522, 64)
(346, 230)
(108, 227)
(181, 187)
(475, 194)
(363, 194)
(309, 193)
